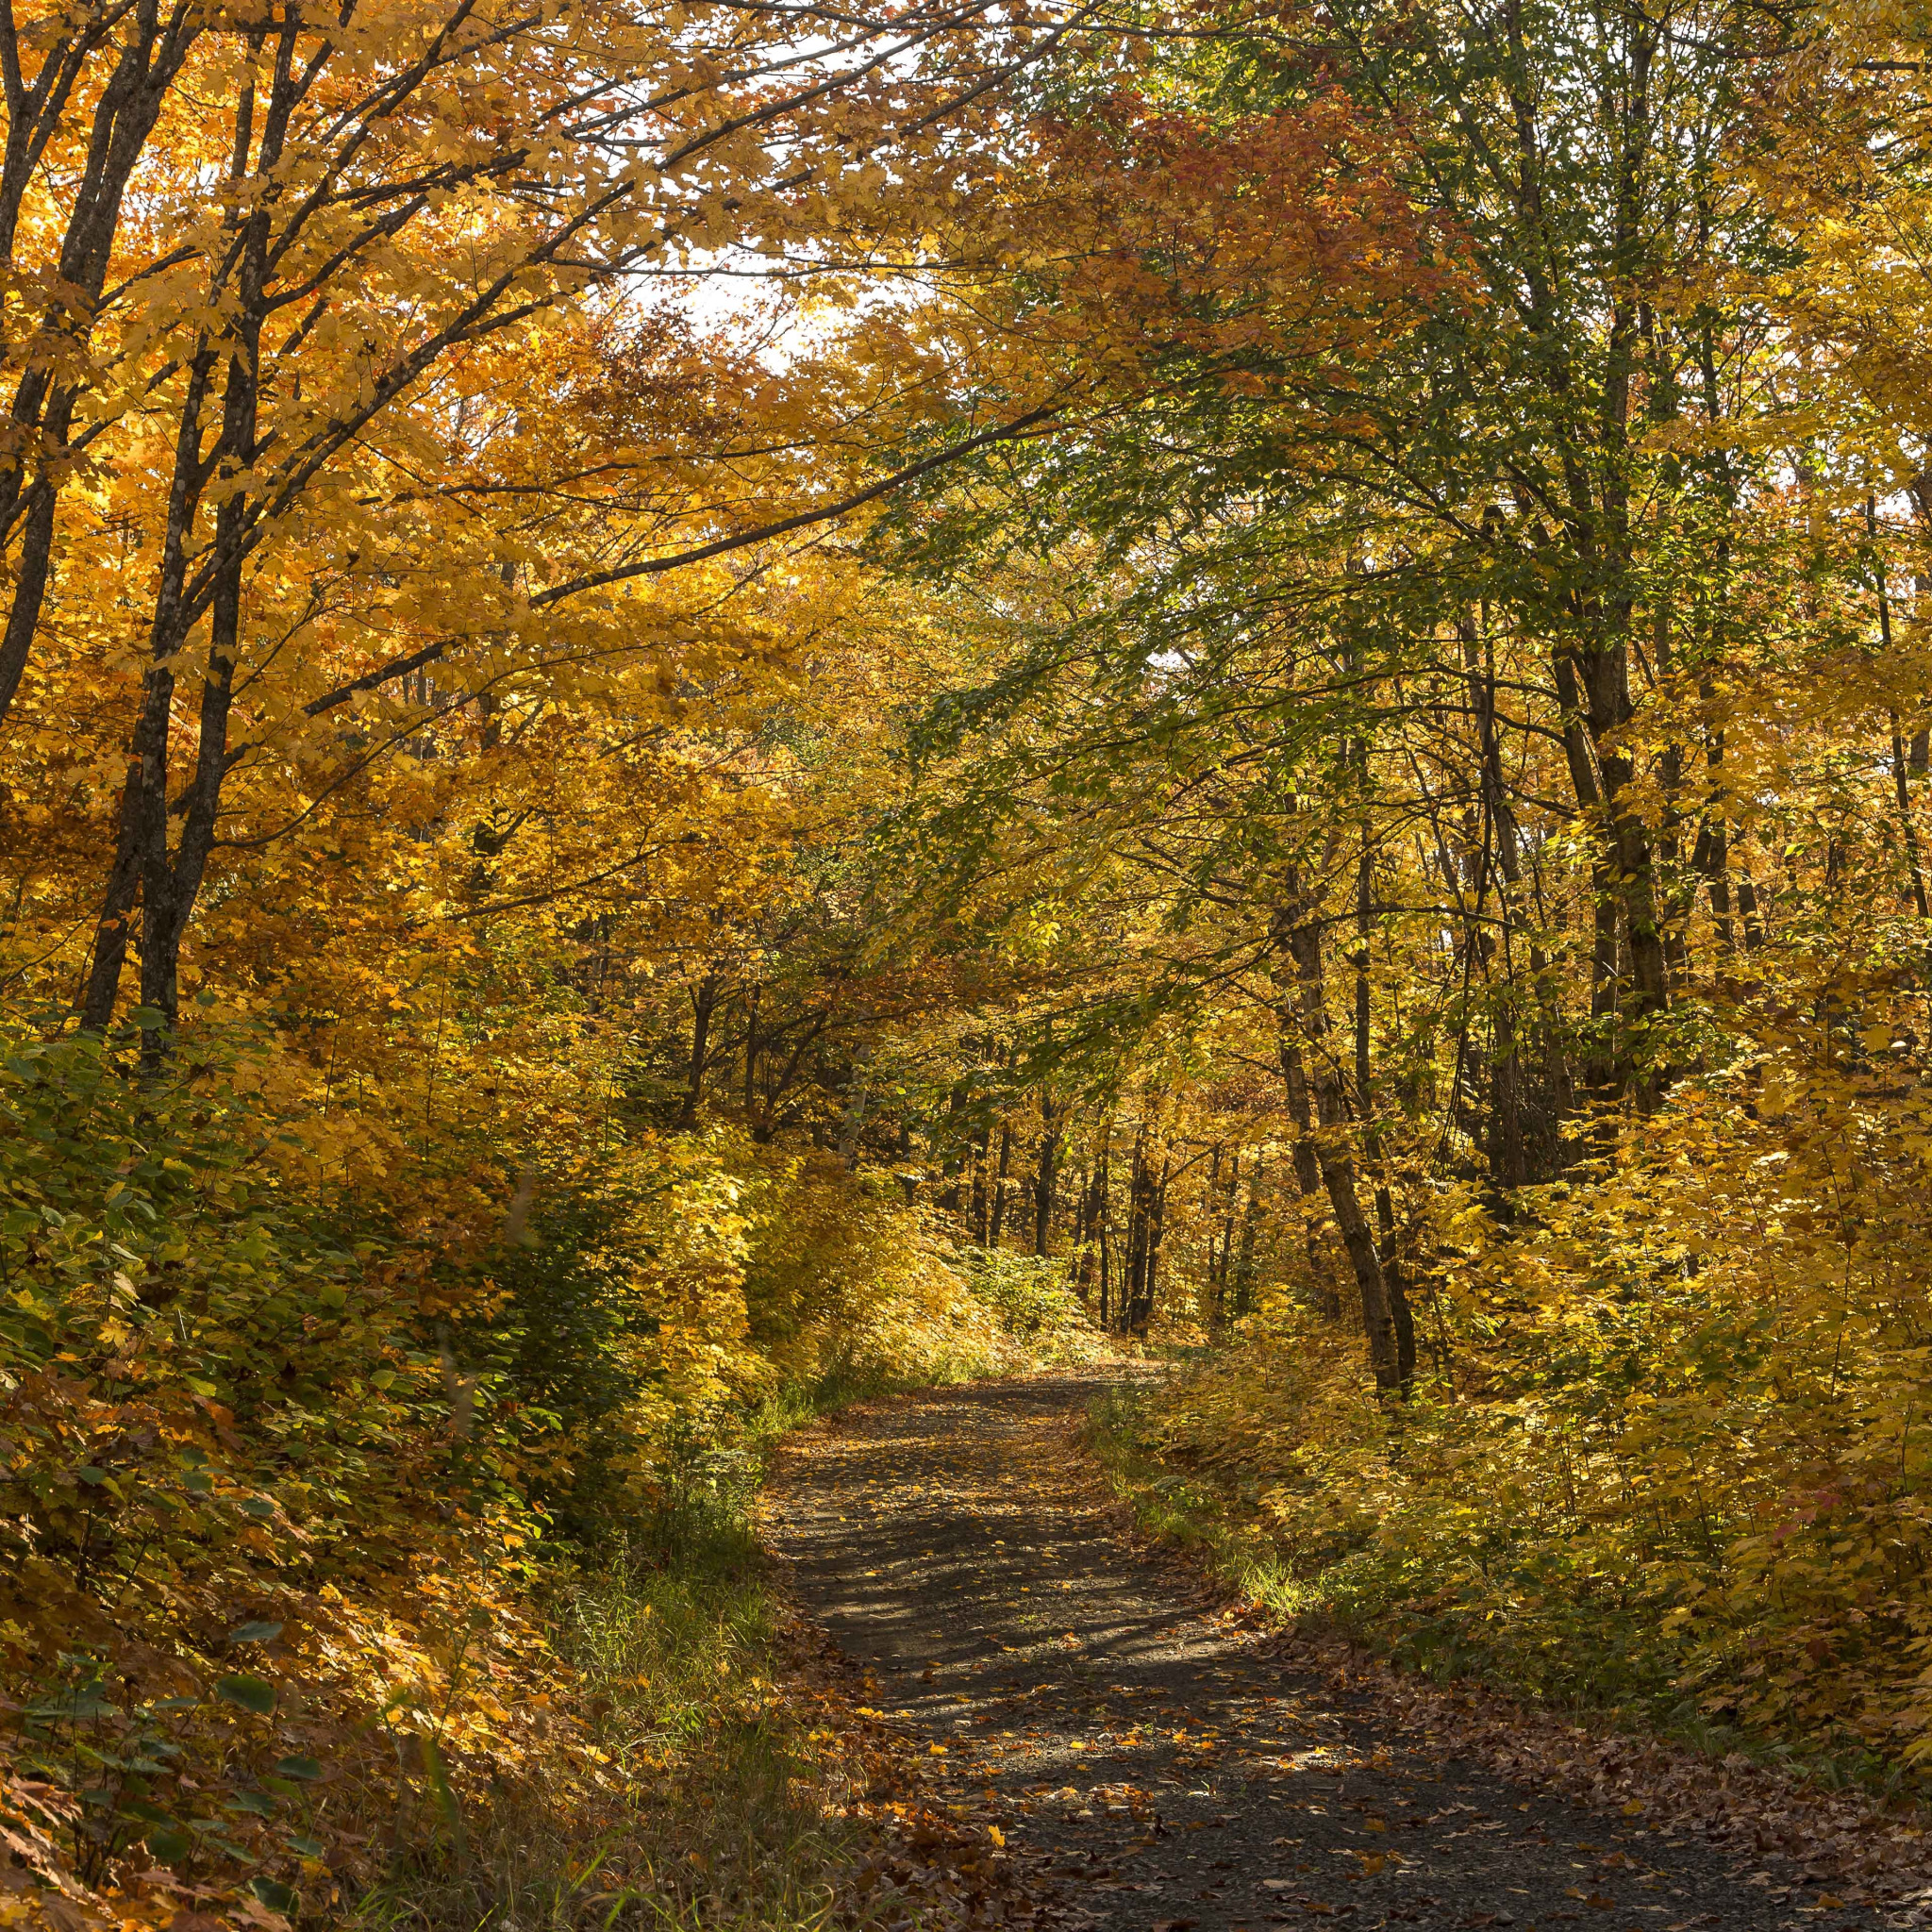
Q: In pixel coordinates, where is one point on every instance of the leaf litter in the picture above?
(1143, 1757)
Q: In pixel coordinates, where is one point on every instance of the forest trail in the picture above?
(1179, 1777)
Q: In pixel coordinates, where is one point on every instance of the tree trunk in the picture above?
(1333, 1160)
(999, 1186)
(1043, 1175)
(703, 1002)
(1245, 1261)
(170, 882)
(950, 1194)
(1091, 1246)
(42, 414)
(1134, 1296)
(1308, 1170)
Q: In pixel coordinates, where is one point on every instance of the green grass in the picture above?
(730, 1820)
(1214, 1522)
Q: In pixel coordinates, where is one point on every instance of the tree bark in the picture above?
(1244, 1259)
(704, 1001)
(41, 414)
(1333, 1162)
(1044, 1175)
(998, 1221)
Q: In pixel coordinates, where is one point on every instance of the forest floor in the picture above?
(1153, 1763)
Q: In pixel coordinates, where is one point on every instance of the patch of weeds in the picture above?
(1194, 1512)
(729, 1795)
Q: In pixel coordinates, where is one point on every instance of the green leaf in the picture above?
(92, 1475)
(257, 1506)
(272, 1893)
(82, 1704)
(256, 1633)
(256, 1803)
(251, 1693)
(169, 1842)
(147, 1018)
(305, 1847)
(303, 1768)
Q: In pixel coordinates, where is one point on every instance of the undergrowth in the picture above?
(394, 1562)
(1590, 1652)
(724, 1782)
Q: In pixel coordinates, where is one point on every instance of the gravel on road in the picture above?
(1170, 1769)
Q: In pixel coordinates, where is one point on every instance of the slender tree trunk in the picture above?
(1077, 1269)
(1103, 1186)
(1093, 1205)
(1334, 1162)
(950, 1194)
(752, 1118)
(999, 1186)
(1748, 912)
(1043, 1173)
(1902, 795)
(1371, 1131)
(703, 1002)
(1712, 855)
(1245, 1261)
(1307, 1170)
(1157, 1229)
(1221, 1241)
(42, 414)
(1134, 1289)
(170, 882)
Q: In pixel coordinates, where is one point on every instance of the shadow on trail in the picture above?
(958, 1548)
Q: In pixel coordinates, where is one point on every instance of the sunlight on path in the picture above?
(958, 1547)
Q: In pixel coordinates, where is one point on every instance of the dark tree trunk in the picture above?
(1093, 1207)
(950, 1194)
(1044, 1175)
(1136, 1291)
(1307, 1170)
(751, 1063)
(41, 414)
(1335, 1163)
(999, 1186)
(1244, 1260)
(170, 882)
(703, 1002)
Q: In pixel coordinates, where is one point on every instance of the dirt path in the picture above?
(1179, 1777)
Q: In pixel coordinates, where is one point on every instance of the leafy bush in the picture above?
(1671, 1457)
(275, 1466)
(1032, 1298)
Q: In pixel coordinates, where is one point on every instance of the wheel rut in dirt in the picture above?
(1178, 1774)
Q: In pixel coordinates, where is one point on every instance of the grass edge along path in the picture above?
(743, 1789)
(1754, 1801)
